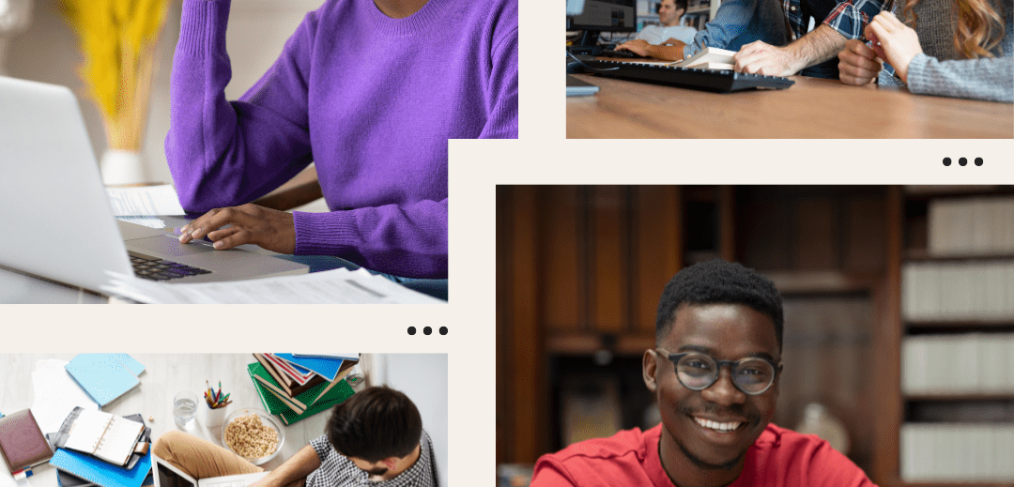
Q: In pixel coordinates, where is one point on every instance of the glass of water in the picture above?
(184, 408)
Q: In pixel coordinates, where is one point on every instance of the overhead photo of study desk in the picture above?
(149, 385)
(810, 108)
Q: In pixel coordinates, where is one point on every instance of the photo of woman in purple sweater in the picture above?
(368, 90)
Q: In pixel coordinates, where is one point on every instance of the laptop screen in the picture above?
(167, 476)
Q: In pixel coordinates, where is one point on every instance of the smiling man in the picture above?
(714, 371)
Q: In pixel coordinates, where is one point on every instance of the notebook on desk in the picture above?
(709, 58)
(22, 444)
(52, 194)
(105, 376)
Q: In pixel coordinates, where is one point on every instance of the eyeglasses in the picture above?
(698, 371)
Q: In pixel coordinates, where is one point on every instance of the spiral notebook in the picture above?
(106, 436)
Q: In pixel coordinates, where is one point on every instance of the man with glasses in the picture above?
(714, 371)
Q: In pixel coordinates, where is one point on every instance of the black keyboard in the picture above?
(725, 81)
(155, 269)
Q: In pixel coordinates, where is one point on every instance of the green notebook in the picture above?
(274, 405)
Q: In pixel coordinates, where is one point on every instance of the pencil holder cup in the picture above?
(212, 418)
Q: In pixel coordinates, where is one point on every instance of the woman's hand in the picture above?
(857, 63)
(271, 229)
(898, 42)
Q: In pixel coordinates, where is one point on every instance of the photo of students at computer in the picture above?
(961, 50)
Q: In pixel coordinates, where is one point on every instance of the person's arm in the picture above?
(641, 47)
(819, 45)
(408, 240)
(502, 84)
(984, 78)
(223, 153)
(845, 22)
(730, 21)
(304, 462)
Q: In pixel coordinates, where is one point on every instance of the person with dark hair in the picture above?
(714, 371)
(737, 23)
(374, 438)
(670, 28)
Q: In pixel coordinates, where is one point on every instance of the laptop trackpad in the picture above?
(167, 247)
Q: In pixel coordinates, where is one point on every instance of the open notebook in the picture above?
(709, 58)
(106, 436)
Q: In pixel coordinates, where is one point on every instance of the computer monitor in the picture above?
(601, 16)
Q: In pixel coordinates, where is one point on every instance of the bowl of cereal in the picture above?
(253, 434)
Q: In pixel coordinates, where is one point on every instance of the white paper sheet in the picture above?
(56, 394)
(5, 478)
(147, 221)
(145, 201)
(329, 287)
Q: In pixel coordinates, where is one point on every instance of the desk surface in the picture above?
(812, 108)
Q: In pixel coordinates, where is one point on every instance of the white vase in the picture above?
(121, 167)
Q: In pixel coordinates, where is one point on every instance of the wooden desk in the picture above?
(811, 108)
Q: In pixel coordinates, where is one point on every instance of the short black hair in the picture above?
(375, 424)
(719, 282)
(681, 4)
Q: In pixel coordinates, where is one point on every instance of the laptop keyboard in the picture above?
(156, 269)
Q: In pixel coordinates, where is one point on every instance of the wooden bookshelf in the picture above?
(908, 239)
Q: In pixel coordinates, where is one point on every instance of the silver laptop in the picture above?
(166, 475)
(56, 220)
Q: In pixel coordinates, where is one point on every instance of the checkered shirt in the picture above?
(338, 471)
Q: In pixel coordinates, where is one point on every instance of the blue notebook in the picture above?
(105, 474)
(105, 376)
(326, 367)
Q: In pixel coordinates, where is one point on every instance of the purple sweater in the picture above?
(370, 99)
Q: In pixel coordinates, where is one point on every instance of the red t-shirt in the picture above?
(779, 458)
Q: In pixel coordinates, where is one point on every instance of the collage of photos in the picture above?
(818, 292)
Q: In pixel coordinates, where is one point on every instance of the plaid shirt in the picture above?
(337, 471)
(849, 18)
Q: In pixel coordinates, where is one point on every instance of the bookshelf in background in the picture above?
(700, 12)
(950, 418)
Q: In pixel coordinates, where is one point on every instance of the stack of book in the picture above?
(972, 290)
(94, 448)
(971, 363)
(971, 226)
(955, 452)
(296, 386)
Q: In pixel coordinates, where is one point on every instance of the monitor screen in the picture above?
(606, 16)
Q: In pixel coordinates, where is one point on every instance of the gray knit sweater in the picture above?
(940, 70)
